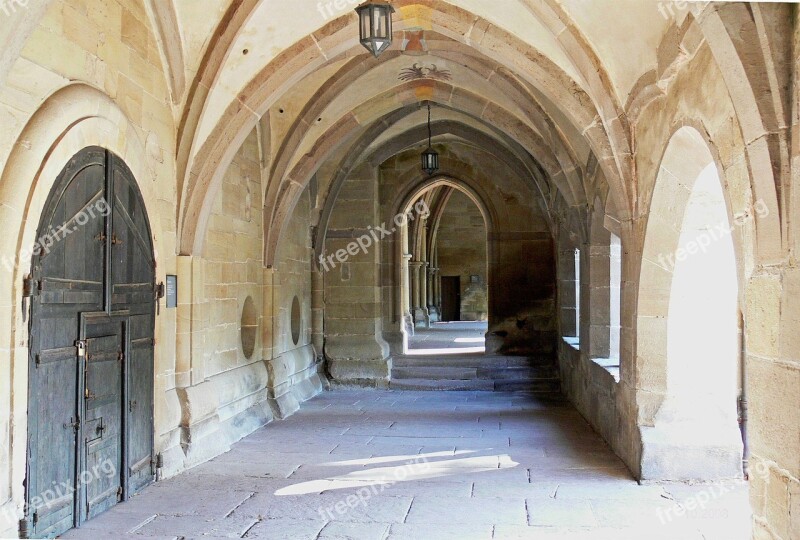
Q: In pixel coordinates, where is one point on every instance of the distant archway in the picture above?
(409, 206)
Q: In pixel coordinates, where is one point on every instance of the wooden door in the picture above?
(451, 298)
(91, 347)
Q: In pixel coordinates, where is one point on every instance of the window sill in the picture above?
(573, 342)
(611, 365)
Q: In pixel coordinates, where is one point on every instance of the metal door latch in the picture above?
(74, 424)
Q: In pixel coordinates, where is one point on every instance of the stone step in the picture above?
(478, 361)
(428, 384)
(534, 386)
(468, 373)
(537, 374)
(511, 373)
(436, 373)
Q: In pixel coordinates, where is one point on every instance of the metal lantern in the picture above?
(375, 25)
(430, 157)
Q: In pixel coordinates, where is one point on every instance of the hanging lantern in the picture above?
(430, 161)
(375, 25)
(430, 158)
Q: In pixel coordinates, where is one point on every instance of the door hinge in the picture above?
(31, 287)
(24, 529)
(160, 292)
(156, 464)
(35, 518)
(119, 493)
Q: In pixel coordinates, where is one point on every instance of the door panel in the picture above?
(53, 425)
(102, 430)
(132, 283)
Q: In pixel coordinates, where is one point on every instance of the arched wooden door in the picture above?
(92, 289)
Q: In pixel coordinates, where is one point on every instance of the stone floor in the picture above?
(374, 465)
(449, 338)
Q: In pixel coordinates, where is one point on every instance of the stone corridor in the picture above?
(375, 465)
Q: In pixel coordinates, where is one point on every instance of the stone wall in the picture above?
(292, 361)
(222, 390)
(461, 248)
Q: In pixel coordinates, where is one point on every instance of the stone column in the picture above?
(420, 313)
(405, 300)
(433, 311)
(439, 291)
(425, 278)
(200, 429)
(413, 284)
(423, 293)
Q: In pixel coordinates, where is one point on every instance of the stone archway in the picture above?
(689, 358)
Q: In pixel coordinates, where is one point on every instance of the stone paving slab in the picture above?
(336, 530)
(430, 510)
(448, 531)
(384, 465)
(229, 527)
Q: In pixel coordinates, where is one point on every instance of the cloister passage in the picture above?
(258, 253)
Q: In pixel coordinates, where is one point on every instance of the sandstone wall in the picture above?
(291, 359)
